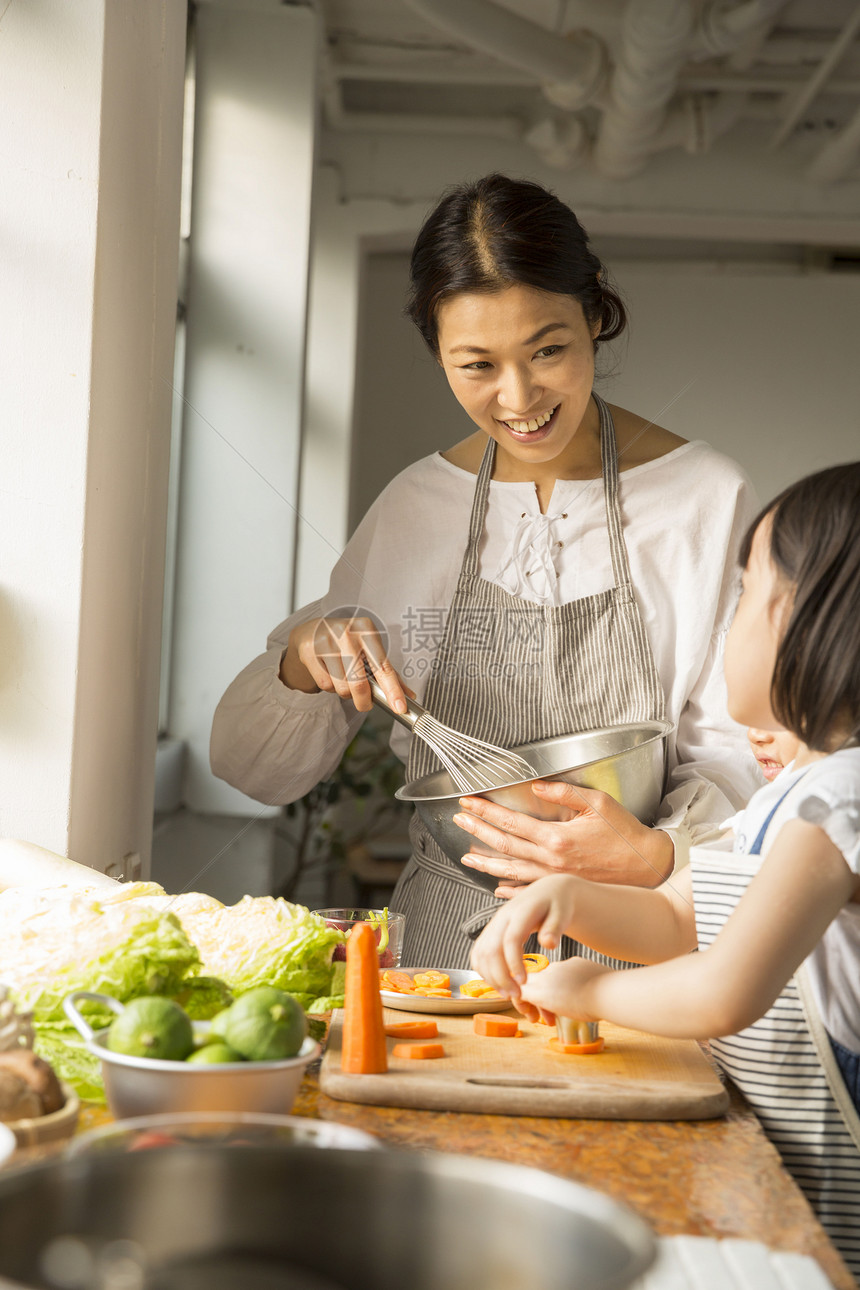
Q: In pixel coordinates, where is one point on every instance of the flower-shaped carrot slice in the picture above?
(433, 979)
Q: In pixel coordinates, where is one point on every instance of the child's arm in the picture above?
(800, 888)
(632, 923)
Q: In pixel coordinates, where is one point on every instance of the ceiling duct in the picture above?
(571, 68)
(723, 29)
(655, 38)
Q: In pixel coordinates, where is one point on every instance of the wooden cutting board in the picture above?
(636, 1077)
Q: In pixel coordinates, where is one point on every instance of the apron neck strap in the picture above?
(609, 462)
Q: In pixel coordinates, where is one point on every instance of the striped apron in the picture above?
(785, 1067)
(511, 671)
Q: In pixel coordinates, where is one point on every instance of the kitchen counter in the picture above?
(714, 1178)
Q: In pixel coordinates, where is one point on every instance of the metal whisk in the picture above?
(473, 764)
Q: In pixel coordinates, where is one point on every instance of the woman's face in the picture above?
(753, 639)
(521, 364)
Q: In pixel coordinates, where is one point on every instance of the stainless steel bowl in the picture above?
(298, 1218)
(144, 1086)
(627, 762)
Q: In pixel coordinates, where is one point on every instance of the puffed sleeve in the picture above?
(273, 743)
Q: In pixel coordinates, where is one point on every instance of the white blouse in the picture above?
(683, 517)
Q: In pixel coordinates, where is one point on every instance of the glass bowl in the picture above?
(388, 927)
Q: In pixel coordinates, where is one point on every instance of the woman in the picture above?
(567, 566)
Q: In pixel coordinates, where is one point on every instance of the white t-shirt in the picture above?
(683, 517)
(827, 793)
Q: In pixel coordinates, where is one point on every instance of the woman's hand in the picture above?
(333, 654)
(546, 907)
(595, 838)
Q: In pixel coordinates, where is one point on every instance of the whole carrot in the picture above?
(363, 1051)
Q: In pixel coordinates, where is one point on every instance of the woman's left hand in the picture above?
(596, 838)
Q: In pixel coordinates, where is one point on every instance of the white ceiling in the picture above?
(649, 104)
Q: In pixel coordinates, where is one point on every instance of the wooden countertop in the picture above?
(716, 1178)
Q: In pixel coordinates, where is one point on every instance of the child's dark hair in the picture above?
(499, 232)
(815, 546)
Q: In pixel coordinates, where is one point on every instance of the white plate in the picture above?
(458, 1003)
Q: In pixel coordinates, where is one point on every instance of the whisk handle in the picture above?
(408, 718)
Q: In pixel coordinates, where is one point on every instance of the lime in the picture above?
(216, 1025)
(212, 1054)
(265, 1025)
(152, 1027)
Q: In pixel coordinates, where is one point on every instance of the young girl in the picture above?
(776, 921)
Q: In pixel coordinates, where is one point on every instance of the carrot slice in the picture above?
(399, 981)
(484, 1023)
(577, 1050)
(412, 1030)
(433, 994)
(420, 1051)
(364, 1051)
(535, 962)
(433, 979)
(479, 989)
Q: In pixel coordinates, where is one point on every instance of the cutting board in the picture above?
(636, 1077)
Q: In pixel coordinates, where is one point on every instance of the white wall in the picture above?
(91, 100)
(760, 363)
(759, 360)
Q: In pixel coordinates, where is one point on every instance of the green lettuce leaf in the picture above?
(155, 958)
(54, 942)
(203, 997)
(263, 940)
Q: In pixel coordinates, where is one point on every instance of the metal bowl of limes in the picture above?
(137, 1085)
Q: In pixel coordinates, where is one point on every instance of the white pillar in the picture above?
(91, 98)
(250, 230)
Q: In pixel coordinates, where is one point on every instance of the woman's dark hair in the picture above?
(815, 546)
(498, 232)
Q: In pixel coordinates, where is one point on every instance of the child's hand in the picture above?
(562, 989)
(545, 907)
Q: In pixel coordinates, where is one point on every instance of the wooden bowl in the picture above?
(49, 1128)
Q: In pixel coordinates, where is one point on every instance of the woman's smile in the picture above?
(534, 428)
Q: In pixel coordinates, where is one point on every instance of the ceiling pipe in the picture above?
(816, 82)
(838, 156)
(722, 31)
(560, 143)
(697, 121)
(655, 39)
(574, 65)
